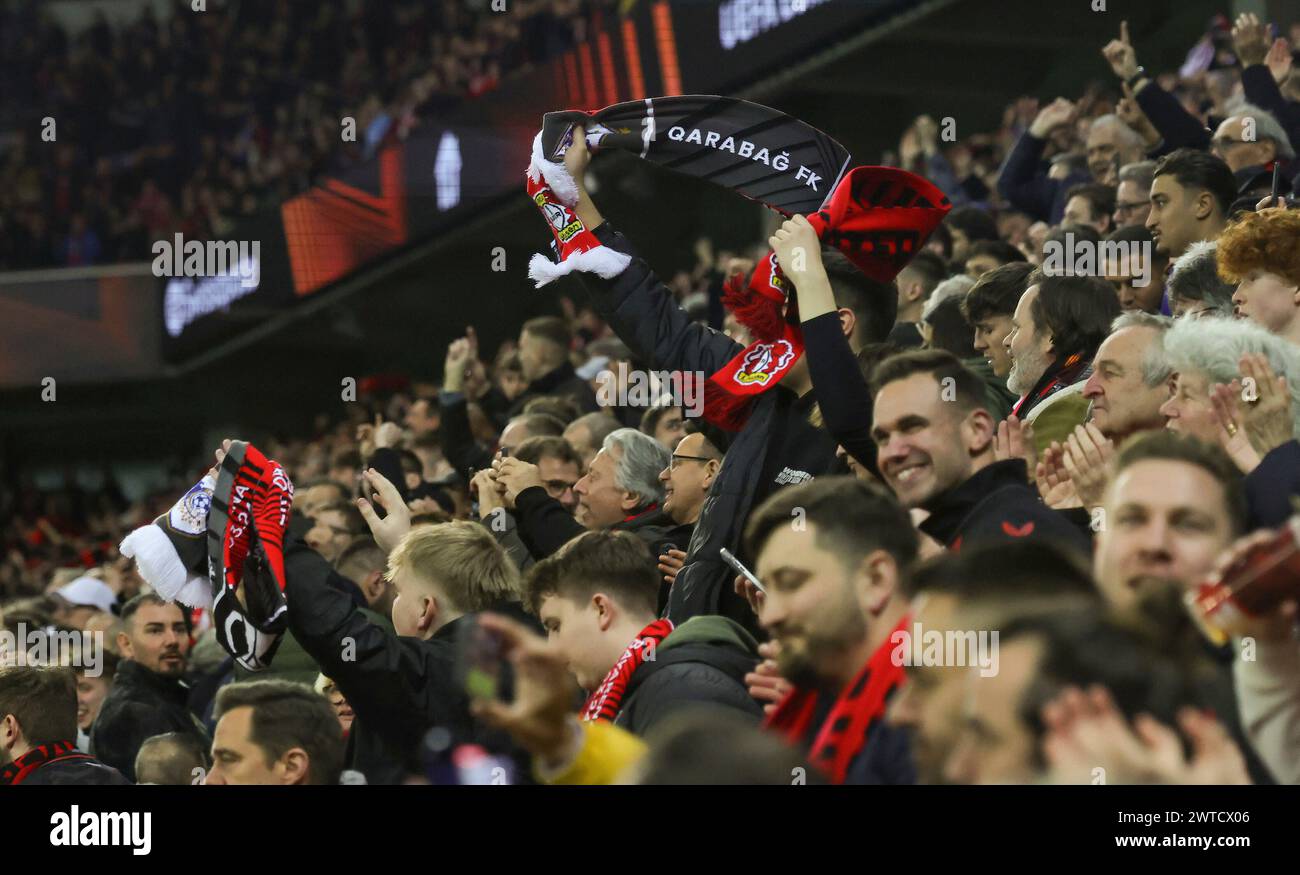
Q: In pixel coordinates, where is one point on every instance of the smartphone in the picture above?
(740, 569)
(480, 663)
(503, 452)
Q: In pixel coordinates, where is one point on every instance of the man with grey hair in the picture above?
(1111, 144)
(1250, 141)
(1133, 196)
(1194, 285)
(1131, 377)
(621, 491)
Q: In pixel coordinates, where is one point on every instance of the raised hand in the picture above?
(1051, 117)
(1119, 53)
(394, 526)
(513, 476)
(1278, 60)
(765, 682)
(797, 248)
(1250, 39)
(1232, 431)
(752, 594)
(1267, 419)
(1015, 440)
(539, 715)
(1053, 479)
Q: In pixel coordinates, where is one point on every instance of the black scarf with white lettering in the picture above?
(754, 150)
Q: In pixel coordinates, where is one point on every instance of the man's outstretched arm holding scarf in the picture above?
(636, 304)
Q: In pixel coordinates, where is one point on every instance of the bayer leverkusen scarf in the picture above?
(833, 745)
(879, 217)
(606, 700)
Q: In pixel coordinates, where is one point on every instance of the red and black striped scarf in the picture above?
(606, 700)
(41, 755)
(833, 745)
(879, 218)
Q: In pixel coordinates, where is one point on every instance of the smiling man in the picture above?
(832, 604)
(149, 695)
(935, 451)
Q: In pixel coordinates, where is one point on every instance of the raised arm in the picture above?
(636, 305)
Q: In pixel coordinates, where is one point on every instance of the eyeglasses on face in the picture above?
(672, 466)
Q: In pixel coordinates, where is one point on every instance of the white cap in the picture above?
(90, 592)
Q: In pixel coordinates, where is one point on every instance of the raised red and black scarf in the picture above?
(41, 755)
(225, 533)
(606, 700)
(877, 216)
(833, 745)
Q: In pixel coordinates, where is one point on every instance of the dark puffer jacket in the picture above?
(702, 663)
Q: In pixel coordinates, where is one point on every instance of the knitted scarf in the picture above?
(879, 217)
(606, 700)
(41, 755)
(1053, 380)
(833, 745)
(225, 533)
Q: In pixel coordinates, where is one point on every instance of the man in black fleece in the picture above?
(597, 600)
(149, 695)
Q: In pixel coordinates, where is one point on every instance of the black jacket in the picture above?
(997, 504)
(562, 382)
(1271, 487)
(778, 445)
(140, 705)
(60, 764)
(705, 666)
(1024, 182)
(399, 687)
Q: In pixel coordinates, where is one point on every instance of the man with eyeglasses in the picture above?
(690, 472)
(1250, 141)
(1133, 196)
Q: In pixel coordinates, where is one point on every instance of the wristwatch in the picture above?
(1133, 80)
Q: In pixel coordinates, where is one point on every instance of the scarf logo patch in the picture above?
(190, 514)
(765, 361)
(558, 217)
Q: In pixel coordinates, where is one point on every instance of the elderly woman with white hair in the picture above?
(1204, 352)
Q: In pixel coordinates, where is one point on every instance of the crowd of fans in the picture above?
(1081, 482)
(190, 122)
